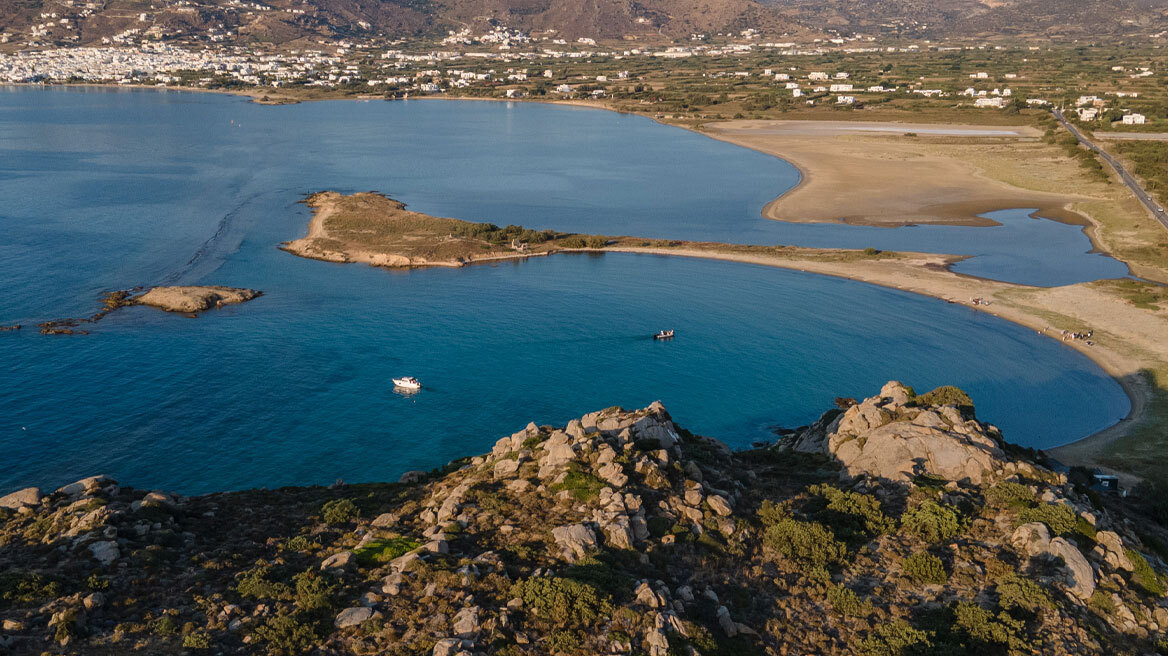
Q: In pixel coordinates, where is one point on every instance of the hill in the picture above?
(901, 525)
(303, 22)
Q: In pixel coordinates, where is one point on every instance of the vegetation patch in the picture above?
(383, 551)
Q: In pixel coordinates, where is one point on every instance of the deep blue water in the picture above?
(110, 189)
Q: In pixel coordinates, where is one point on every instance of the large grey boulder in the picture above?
(105, 551)
(575, 540)
(1080, 578)
(1031, 539)
(353, 617)
(466, 623)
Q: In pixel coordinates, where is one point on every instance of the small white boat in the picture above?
(408, 382)
(664, 334)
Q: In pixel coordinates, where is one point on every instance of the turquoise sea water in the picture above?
(110, 189)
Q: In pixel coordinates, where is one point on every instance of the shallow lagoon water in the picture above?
(110, 189)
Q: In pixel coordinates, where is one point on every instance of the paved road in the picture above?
(1128, 179)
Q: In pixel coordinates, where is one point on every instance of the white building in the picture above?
(1134, 119)
(817, 76)
(845, 100)
(995, 103)
(837, 88)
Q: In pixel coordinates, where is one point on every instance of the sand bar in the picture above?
(873, 174)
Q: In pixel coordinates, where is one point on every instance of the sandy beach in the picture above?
(873, 174)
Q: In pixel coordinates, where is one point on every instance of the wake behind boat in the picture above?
(664, 334)
(407, 382)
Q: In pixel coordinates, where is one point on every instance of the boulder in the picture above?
(1080, 578)
(353, 617)
(719, 505)
(895, 392)
(337, 561)
(86, 486)
(575, 540)
(614, 474)
(1031, 539)
(105, 551)
(411, 477)
(1109, 549)
(29, 496)
(506, 468)
(447, 647)
(466, 623)
(385, 520)
(728, 625)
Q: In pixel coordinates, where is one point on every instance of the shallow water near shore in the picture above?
(110, 189)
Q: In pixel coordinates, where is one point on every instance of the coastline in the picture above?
(1087, 449)
(913, 277)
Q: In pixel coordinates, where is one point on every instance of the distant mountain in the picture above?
(283, 21)
(939, 18)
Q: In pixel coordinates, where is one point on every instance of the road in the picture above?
(1128, 179)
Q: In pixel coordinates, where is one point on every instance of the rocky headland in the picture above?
(901, 524)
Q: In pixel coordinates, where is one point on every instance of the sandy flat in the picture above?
(871, 173)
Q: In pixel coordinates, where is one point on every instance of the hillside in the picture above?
(302, 22)
(902, 525)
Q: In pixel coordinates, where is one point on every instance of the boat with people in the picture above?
(407, 382)
(664, 334)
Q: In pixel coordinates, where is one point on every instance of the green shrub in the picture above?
(1101, 602)
(770, 513)
(948, 395)
(933, 522)
(896, 638)
(598, 571)
(164, 626)
(315, 590)
(383, 551)
(26, 588)
(983, 626)
(847, 602)
(1021, 593)
(1014, 496)
(562, 601)
(1144, 576)
(851, 514)
(924, 567)
(197, 640)
(807, 544)
(659, 526)
(258, 583)
(287, 635)
(1059, 518)
(298, 543)
(581, 484)
(339, 511)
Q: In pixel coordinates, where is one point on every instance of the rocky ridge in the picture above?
(901, 524)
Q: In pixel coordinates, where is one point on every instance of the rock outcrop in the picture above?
(617, 533)
(889, 436)
(194, 299)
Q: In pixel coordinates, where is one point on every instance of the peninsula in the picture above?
(1128, 318)
(903, 522)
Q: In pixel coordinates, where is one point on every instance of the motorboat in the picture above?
(664, 334)
(407, 382)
